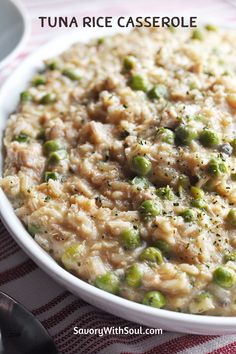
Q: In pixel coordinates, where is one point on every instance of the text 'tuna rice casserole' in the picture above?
(121, 162)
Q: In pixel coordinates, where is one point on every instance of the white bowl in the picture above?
(165, 319)
(14, 29)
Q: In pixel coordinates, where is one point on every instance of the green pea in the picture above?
(130, 238)
(53, 65)
(158, 92)
(138, 83)
(231, 217)
(233, 144)
(216, 168)
(141, 165)
(230, 257)
(151, 255)
(72, 74)
(188, 215)
(129, 62)
(140, 182)
(209, 138)
(154, 299)
(108, 282)
(163, 246)
(34, 229)
(210, 27)
(25, 96)
(22, 138)
(225, 277)
(165, 193)
(197, 34)
(39, 80)
(134, 276)
(167, 136)
(51, 175)
(101, 40)
(197, 193)
(149, 208)
(56, 156)
(47, 98)
(51, 146)
(185, 134)
(199, 203)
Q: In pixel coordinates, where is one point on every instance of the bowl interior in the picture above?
(9, 97)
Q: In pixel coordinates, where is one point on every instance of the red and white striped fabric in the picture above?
(57, 309)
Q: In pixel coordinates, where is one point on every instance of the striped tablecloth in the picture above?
(57, 309)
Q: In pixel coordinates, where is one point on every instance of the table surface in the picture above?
(57, 309)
